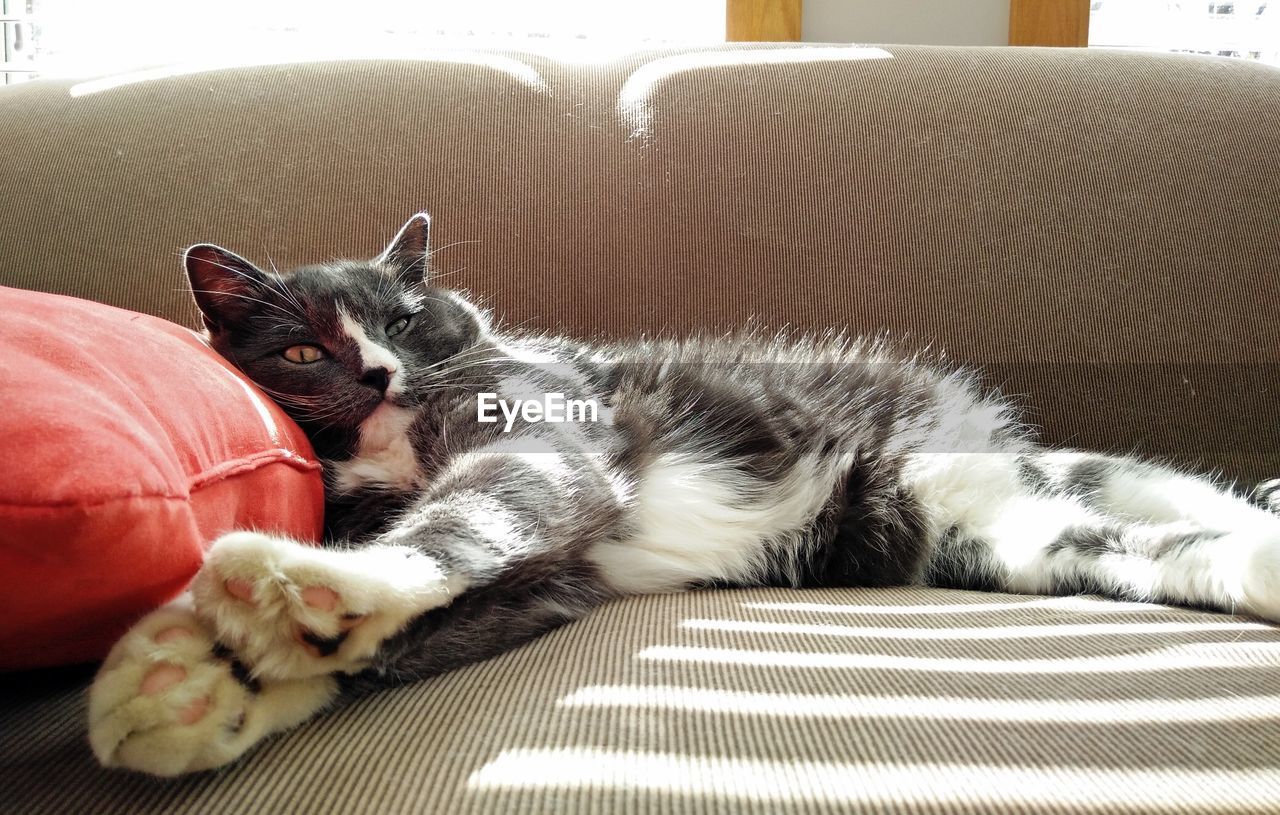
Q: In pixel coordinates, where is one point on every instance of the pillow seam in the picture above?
(198, 482)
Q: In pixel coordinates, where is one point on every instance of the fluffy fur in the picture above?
(743, 460)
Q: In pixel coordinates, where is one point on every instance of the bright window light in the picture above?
(79, 38)
(1247, 29)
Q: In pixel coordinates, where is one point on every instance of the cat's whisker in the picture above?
(451, 372)
(312, 405)
(383, 292)
(285, 289)
(279, 308)
(442, 301)
(475, 349)
(442, 275)
(275, 283)
(431, 254)
(235, 271)
(312, 411)
(511, 329)
(476, 363)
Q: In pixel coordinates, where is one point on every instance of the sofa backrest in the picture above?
(1099, 229)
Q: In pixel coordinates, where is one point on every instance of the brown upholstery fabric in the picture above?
(1101, 227)
(757, 701)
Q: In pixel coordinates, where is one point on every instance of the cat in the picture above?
(458, 530)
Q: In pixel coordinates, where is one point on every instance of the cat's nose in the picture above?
(377, 378)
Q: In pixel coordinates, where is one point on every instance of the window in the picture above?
(1245, 30)
(19, 40)
(93, 37)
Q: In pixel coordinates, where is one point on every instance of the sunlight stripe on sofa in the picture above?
(1093, 605)
(1172, 789)
(984, 633)
(1162, 659)
(834, 706)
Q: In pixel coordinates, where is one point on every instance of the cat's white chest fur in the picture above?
(384, 456)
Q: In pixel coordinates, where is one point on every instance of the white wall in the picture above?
(923, 22)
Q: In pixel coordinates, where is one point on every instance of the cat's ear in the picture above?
(227, 287)
(407, 252)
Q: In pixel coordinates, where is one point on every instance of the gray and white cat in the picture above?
(739, 461)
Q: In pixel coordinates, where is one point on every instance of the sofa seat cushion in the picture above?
(128, 445)
(760, 700)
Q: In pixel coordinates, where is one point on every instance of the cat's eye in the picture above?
(303, 354)
(398, 326)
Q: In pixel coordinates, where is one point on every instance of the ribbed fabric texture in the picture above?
(1101, 225)
(756, 701)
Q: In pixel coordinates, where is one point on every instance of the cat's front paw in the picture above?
(168, 701)
(289, 611)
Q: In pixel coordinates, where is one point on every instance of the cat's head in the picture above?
(332, 342)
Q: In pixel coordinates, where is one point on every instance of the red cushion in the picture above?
(127, 447)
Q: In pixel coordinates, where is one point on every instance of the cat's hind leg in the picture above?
(1066, 523)
(1132, 489)
(1226, 537)
(289, 611)
(169, 700)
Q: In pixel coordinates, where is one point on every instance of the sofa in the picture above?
(1098, 230)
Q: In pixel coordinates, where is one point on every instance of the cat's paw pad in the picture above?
(166, 701)
(290, 610)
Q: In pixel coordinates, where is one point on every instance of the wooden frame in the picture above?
(762, 20)
(1049, 22)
